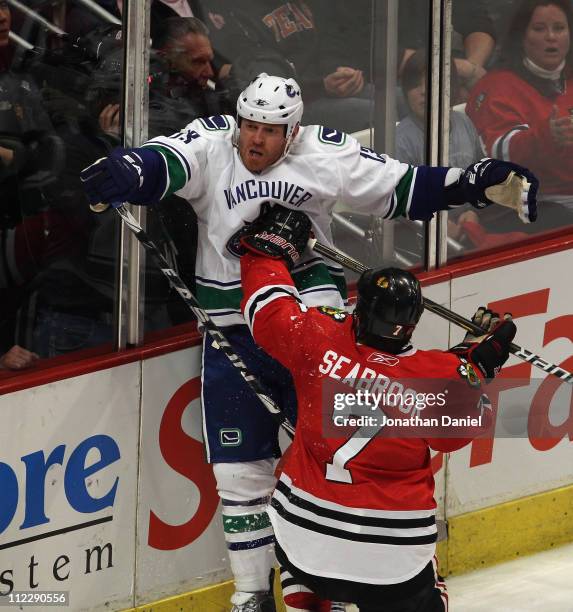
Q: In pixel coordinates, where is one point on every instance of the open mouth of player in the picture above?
(255, 153)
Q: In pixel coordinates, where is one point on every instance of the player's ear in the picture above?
(295, 131)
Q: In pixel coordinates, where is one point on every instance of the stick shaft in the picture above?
(519, 351)
(203, 317)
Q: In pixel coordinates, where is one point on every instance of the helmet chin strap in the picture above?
(287, 146)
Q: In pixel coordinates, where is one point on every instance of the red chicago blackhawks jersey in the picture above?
(512, 118)
(347, 506)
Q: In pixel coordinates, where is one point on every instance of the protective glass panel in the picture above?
(204, 55)
(390, 48)
(60, 95)
(515, 99)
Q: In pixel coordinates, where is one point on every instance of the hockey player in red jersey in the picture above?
(354, 518)
(227, 170)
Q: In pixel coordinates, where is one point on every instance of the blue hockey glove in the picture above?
(138, 176)
(492, 181)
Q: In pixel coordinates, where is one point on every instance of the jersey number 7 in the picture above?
(336, 470)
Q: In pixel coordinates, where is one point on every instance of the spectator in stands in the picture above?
(183, 42)
(80, 20)
(501, 13)
(523, 110)
(17, 358)
(285, 38)
(33, 233)
(470, 20)
(465, 146)
(345, 35)
(347, 32)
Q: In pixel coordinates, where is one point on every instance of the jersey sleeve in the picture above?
(368, 182)
(279, 322)
(186, 152)
(374, 183)
(466, 402)
(499, 108)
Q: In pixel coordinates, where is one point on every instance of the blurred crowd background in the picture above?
(61, 108)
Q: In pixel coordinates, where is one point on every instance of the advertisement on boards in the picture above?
(531, 448)
(68, 470)
(180, 543)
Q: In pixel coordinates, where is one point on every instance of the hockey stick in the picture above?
(204, 319)
(449, 315)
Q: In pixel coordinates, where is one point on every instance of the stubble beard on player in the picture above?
(259, 158)
(256, 160)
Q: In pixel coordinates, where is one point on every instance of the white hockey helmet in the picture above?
(271, 99)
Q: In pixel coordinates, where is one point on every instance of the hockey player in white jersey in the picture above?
(227, 169)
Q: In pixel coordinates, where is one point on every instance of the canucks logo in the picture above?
(261, 102)
(290, 91)
(334, 313)
(230, 437)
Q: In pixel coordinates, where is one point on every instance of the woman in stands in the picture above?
(523, 111)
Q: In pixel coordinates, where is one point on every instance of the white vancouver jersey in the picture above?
(322, 167)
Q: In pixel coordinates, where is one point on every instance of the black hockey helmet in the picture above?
(388, 308)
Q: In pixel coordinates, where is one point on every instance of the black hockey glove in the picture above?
(491, 351)
(280, 233)
(476, 179)
(234, 245)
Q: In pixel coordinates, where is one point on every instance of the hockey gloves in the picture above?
(137, 176)
(491, 351)
(475, 181)
(280, 233)
(234, 245)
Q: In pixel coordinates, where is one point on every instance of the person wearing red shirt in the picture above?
(353, 511)
(523, 110)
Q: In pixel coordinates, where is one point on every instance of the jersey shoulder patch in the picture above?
(215, 123)
(328, 142)
(215, 127)
(331, 136)
(466, 372)
(333, 313)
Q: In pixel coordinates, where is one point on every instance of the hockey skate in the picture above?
(253, 602)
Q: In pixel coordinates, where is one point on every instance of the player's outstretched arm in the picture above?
(271, 304)
(479, 358)
(138, 176)
(489, 181)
